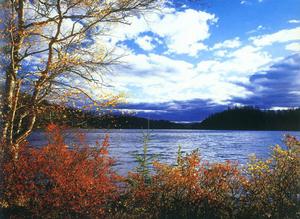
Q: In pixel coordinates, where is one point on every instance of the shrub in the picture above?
(60, 182)
(57, 181)
(273, 188)
(191, 189)
(197, 189)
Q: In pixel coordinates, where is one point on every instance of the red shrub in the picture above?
(57, 181)
(191, 189)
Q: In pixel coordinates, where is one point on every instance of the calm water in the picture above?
(213, 145)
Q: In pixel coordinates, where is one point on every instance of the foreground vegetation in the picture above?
(76, 181)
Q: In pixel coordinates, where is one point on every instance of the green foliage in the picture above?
(145, 160)
(179, 156)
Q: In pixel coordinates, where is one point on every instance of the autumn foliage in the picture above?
(195, 188)
(57, 181)
(77, 181)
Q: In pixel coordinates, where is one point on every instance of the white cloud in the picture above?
(294, 21)
(260, 27)
(280, 108)
(132, 111)
(242, 62)
(294, 47)
(231, 44)
(157, 78)
(257, 29)
(154, 78)
(145, 43)
(121, 32)
(282, 36)
(183, 32)
(220, 53)
(248, 2)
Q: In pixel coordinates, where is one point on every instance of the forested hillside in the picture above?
(250, 118)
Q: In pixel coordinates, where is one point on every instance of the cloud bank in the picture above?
(275, 88)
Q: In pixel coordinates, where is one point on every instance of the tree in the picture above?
(46, 45)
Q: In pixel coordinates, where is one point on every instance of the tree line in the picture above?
(251, 118)
(237, 118)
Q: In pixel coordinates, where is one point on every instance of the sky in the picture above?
(197, 57)
(190, 60)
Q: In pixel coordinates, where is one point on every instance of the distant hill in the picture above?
(238, 118)
(250, 118)
(77, 118)
(132, 122)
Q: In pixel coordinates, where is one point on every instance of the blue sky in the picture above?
(188, 61)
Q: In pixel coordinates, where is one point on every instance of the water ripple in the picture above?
(213, 145)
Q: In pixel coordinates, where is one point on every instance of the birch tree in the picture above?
(45, 46)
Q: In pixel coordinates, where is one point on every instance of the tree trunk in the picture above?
(7, 112)
(12, 90)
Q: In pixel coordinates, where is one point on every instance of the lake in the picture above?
(213, 145)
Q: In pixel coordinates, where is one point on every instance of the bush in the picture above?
(273, 187)
(60, 182)
(197, 189)
(57, 181)
(191, 189)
